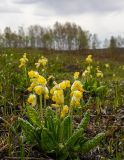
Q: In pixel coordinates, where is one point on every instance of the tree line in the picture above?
(68, 36)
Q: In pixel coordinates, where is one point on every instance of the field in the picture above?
(79, 113)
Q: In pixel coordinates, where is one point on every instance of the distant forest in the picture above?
(68, 36)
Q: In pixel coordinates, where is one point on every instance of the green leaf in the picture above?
(63, 154)
(28, 130)
(33, 116)
(49, 119)
(47, 141)
(90, 144)
(74, 138)
(100, 89)
(66, 128)
(84, 121)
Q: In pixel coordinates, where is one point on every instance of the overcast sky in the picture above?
(102, 17)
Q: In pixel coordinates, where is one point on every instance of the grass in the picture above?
(107, 111)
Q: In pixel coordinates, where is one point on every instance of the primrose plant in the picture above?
(51, 128)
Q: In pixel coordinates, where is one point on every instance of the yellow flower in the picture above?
(75, 102)
(89, 59)
(77, 85)
(42, 61)
(55, 105)
(89, 68)
(64, 84)
(41, 80)
(107, 65)
(32, 99)
(64, 111)
(23, 61)
(39, 90)
(33, 84)
(76, 75)
(76, 97)
(56, 87)
(46, 96)
(58, 97)
(62, 115)
(24, 56)
(30, 89)
(33, 74)
(77, 94)
(37, 65)
(46, 93)
(99, 74)
(67, 83)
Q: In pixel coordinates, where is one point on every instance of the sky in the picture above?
(103, 17)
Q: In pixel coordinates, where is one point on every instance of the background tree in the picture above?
(7, 36)
(113, 42)
(95, 41)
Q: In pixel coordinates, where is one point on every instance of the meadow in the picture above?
(61, 105)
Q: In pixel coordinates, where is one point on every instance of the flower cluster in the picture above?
(76, 75)
(38, 85)
(89, 59)
(64, 111)
(32, 99)
(107, 65)
(41, 62)
(99, 73)
(23, 61)
(76, 93)
(58, 93)
(87, 71)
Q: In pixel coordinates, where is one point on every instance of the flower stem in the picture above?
(40, 108)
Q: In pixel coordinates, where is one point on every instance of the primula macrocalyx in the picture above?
(77, 85)
(87, 71)
(56, 87)
(107, 65)
(41, 80)
(76, 75)
(62, 85)
(64, 111)
(42, 61)
(58, 97)
(23, 61)
(46, 93)
(89, 59)
(33, 74)
(99, 74)
(76, 97)
(77, 94)
(33, 84)
(32, 99)
(46, 96)
(39, 90)
(65, 84)
(55, 105)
